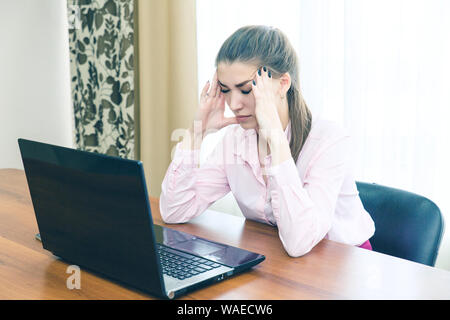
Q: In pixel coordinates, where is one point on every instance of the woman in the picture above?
(283, 167)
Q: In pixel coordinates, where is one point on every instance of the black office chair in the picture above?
(407, 225)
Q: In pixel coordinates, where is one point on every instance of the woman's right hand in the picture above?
(211, 109)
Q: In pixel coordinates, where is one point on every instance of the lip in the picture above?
(243, 118)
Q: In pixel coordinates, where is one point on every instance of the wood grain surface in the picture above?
(330, 271)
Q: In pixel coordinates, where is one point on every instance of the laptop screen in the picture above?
(92, 209)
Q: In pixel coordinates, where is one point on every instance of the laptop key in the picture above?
(204, 266)
(181, 265)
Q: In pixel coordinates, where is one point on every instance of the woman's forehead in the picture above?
(235, 73)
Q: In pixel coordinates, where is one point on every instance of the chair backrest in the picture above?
(407, 225)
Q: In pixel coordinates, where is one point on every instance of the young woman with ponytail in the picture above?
(284, 167)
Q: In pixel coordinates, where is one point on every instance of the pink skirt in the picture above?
(366, 245)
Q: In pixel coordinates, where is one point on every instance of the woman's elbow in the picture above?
(168, 219)
(170, 216)
(300, 246)
(167, 215)
(297, 251)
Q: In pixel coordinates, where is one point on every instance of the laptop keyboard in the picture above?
(183, 265)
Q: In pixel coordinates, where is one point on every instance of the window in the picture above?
(379, 68)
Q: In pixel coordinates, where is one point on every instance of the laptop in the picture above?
(93, 211)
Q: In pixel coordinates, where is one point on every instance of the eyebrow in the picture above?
(237, 86)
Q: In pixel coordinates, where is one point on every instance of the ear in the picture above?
(285, 83)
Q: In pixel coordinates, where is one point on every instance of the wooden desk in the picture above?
(330, 271)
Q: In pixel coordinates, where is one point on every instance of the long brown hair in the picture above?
(268, 46)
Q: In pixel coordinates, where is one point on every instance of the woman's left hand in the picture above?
(267, 101)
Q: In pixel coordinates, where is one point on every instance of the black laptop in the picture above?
(92, 210)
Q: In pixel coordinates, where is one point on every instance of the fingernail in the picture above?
(270, 75)
(264, 68)
(259, 71)
(254, 83)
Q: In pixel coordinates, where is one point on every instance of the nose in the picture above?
(235, 102)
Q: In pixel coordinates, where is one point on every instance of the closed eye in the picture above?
(244, 92)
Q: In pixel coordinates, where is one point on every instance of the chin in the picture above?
(248, 126)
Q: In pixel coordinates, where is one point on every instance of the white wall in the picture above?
(35, 98)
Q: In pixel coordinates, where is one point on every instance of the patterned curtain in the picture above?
(101, 41)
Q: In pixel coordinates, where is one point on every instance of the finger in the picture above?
(255, 88)
(260, 77)
(228, 121)
(218, 92)
(264, 74)
(214, 86)
(220, 100)
(265, 80)
(268, 73)
(205, 90)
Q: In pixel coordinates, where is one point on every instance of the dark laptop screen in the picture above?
(93, 209)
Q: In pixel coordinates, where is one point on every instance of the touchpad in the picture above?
(199, 247)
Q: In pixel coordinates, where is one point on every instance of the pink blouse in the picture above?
(308, 201)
